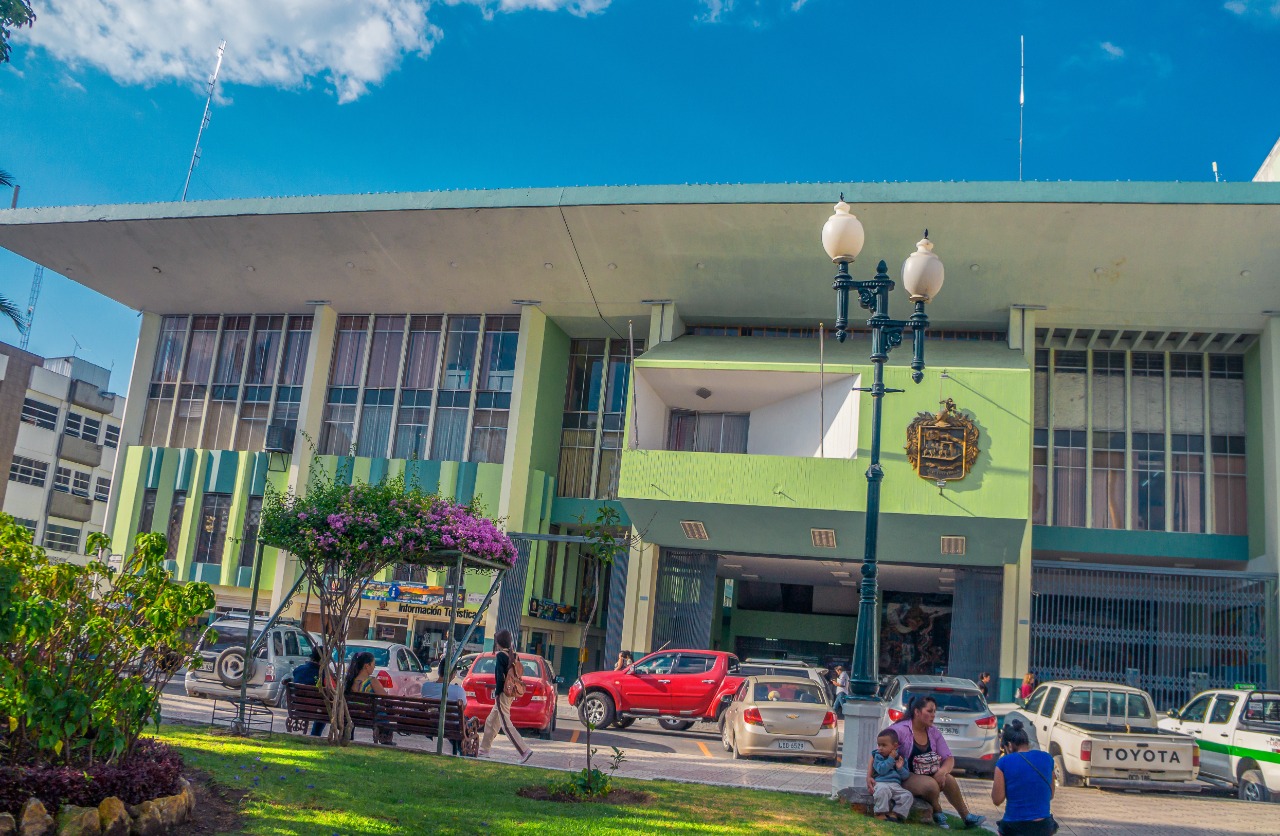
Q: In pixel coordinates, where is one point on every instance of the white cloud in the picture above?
(1111, 49)
(1236, 6)
(70, 83)
(1265, 9)
(278, 43)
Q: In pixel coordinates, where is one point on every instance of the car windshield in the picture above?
(381, 655)
(485, 665)
(767, 691)
(948, 700)
(220, 637)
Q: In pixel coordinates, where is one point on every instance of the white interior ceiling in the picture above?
(806, 572)
(731, 390)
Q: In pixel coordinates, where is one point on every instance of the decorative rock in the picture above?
(173, 809)
(113, 818)
(147, 821)
(35, 820)
(188, 795)
(78, 821)
(8, 824)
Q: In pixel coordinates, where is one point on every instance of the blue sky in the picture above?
(102, 101)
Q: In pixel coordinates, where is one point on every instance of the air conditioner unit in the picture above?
(279, 439)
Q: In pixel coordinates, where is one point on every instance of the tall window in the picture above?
(1148, 481)
(1040, 477)
(1226, 422)
(164, 378)
(460, 352)
(264, 351)
(1186, 428)
(249, 539)
(581, 417)
(189, 412)
(493, 397)
(421, 361)
(450, 436)
(1069, 422)
(148, 514)
(708, 432)
(1108, 413)
(380, 385)
(174, 530)
(338, 432)
(225, 391)
(613, 419)
(212, 535)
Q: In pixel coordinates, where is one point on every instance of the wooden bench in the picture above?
(386, 714)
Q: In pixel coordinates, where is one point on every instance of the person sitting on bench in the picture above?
(431, 691)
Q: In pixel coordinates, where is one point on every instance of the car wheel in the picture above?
(737, 753)
(596, 710)
(1061, 777)
(232, 667)
(623, 722)
(283, 702)
(724, 737)
(675, 725)
(1253, 787)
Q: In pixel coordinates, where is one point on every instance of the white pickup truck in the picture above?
(1239, 737)
(1105, 735)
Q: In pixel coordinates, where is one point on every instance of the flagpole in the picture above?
(1022, 96)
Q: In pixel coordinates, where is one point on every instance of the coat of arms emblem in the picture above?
(942, 447)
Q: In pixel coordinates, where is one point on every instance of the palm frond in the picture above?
(11, 310)
(6, 179)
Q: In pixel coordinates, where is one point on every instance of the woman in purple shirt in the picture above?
(929, 759)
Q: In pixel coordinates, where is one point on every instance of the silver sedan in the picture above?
(780, 716)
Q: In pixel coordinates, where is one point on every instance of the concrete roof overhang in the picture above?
(1134, 255)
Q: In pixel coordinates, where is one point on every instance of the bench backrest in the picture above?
(409, 715)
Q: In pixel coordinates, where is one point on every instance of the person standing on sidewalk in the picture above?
(506, 667)
(842, 689)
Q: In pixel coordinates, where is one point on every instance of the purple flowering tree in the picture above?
(345, 535)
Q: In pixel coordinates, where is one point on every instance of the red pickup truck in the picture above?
(678, 687)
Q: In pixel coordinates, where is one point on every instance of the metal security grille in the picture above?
(975, 623)
(617, 606)
(511, 600)
(1168, 633)
(684, 599)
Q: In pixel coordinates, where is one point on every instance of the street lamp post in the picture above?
(922, 276)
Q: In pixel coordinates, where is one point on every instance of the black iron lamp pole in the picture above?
(922, 275)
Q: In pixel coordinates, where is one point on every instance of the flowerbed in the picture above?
(151, 771)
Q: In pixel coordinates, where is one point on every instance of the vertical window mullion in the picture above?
(361, 376)
(395, 403)
(1210, 526)
(1128, 440)
(475, 383)
(1050, 451)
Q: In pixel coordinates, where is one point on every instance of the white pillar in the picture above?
(862, 722)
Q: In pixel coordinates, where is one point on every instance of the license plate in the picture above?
(951, 730)
(792, 745)
(1139, 776)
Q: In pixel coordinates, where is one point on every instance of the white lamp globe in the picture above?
(842, 235)
(922, 272)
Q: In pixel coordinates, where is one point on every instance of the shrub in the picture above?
(151, 771)
(72, 639)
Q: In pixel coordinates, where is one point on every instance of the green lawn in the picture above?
(309, 787)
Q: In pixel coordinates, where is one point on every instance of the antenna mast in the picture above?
(204, 122)
(1022, 96)
(36, 281)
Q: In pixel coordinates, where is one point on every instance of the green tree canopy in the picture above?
(14, 14)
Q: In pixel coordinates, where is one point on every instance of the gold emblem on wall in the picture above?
(942, 447)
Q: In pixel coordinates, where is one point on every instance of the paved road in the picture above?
(697, 756)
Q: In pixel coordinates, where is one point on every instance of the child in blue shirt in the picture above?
(885, 774)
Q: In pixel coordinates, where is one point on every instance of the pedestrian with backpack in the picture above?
(508, 687)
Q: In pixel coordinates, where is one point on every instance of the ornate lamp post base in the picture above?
(862, 719)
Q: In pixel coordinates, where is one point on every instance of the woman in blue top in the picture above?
(1024, 778)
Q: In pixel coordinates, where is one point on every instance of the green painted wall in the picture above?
(1098, 541)
(790, 626)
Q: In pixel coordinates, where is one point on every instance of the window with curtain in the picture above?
(422, 353)
(251, 431)
(148, 514)
(1186, 428)
(708, 432)
(613, 419)
(348, 351)
(212, 534)
(577, 448)
(412, 424)
(375, 422)
(1226, 423)
(187, 415)
(460, 352)
(264, 350)
(338, 423)
(293, 366)
(1108, 408)
(1068, 477)
(449, 439)
(581, 417)
(164, 377)
(224, 392)
(384, 352)
(489, 435)
(288, 402)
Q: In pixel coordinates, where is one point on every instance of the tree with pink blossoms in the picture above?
(344, 535)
